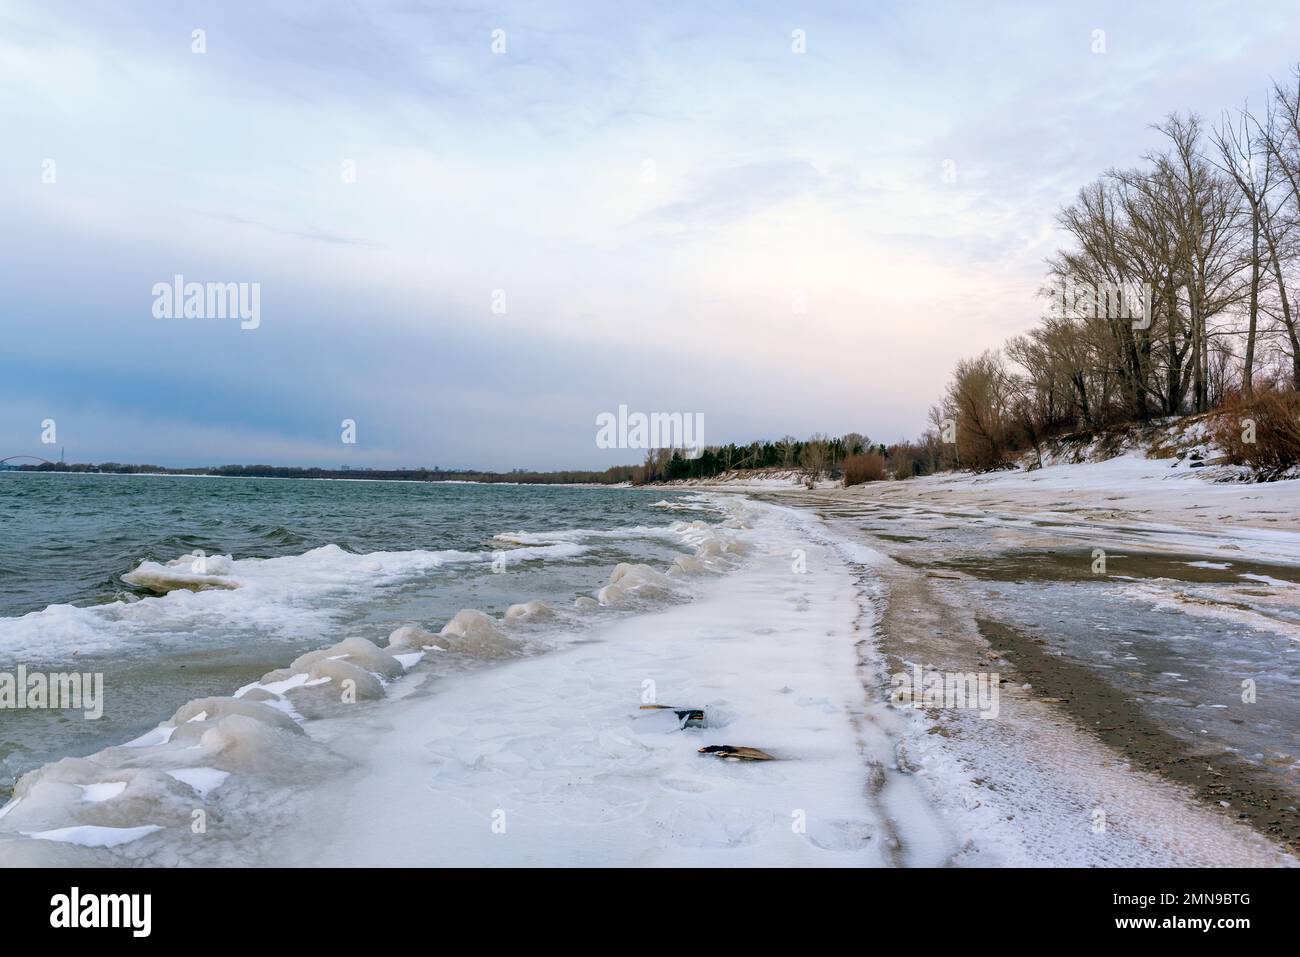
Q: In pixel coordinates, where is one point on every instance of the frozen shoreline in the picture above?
(1129, 487)
(1149, 652)
(787, 640)
(714, 651)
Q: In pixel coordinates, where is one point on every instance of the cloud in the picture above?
(316, 235)
(777, 177)
(736, 192)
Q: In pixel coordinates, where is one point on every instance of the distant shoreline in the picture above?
(326, 478)
(410, 476)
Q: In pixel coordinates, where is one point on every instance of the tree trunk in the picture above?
(1287, 319)
(1248, 374)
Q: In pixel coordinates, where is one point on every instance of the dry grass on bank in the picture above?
(869, 467)
(1262, 431)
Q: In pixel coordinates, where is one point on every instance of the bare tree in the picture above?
(1280, 135)
(813, 458)
(980, 396)
(1246, 158)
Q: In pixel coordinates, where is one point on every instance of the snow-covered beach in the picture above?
(1147, 619)
(543, 759)
(786, 623)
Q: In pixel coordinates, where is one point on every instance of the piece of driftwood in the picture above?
(736, 752)
(690, 717)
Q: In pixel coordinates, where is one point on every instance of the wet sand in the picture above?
(987, 594)
(1119, 721)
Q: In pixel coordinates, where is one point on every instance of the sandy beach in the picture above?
(1113, 611)
(1124, 686)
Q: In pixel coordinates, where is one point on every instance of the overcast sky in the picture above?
(653, 191)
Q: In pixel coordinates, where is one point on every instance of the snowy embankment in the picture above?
(1164, 497)
(1139, 595)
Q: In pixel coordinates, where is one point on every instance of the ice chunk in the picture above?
(91, 835)
(531, 610)
(214, 709)
(159, 735)
(472, 632)
(101, 791)
(634, 581)
(202, 780)
(365, 685)
(193, 572)
(240, 743)
(412, 636)
(357, 651)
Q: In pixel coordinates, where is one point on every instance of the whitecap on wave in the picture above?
(282, 597)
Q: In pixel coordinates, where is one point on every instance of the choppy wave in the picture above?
(682, 505)
(285, 596)
(573, 535)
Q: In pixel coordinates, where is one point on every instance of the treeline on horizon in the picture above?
(816, 455)
(1209, 224)
(613, 475)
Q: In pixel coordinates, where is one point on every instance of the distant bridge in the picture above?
(35, 458)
